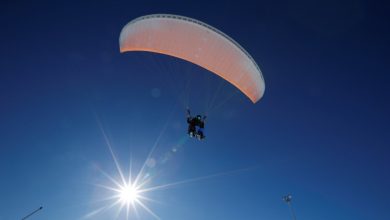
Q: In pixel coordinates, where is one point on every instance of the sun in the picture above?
(129, 194)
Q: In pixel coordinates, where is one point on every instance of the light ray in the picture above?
(148, 210)
(127, 195)
(149, 199)
(100, 210)
(130, 191)
(135, 210)
(140, 174)
(168, 185)
(155, 145)
(107, 187)
(110, 178)
(138, 198)
(111, 150)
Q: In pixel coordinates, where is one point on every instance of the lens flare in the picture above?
(129, 194)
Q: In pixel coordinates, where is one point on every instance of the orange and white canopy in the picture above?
(198, 43)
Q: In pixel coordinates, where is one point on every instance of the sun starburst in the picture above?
(130, 192)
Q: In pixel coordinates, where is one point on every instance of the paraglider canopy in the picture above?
(198, 43)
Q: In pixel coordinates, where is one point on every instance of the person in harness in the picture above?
(196, 125)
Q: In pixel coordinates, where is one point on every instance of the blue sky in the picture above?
(321, 131)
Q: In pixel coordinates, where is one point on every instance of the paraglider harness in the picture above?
(195, 125)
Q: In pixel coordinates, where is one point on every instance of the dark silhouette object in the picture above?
(196, 125)
(32, 213)
(288, 199)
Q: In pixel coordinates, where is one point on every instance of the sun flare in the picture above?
(129, 194)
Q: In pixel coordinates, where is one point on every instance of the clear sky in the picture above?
(321, 132)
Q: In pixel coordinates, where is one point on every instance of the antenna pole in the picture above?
(288, 199)
(32, 213)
